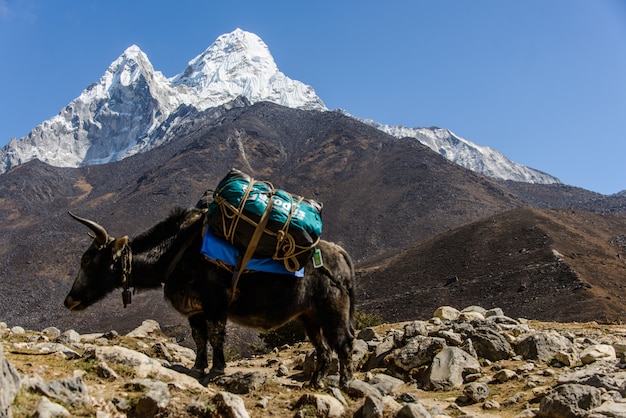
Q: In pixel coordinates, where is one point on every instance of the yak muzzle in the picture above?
(73, 305)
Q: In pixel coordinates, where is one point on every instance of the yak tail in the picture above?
(350, 287)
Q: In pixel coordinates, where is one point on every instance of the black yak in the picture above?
(169, 255)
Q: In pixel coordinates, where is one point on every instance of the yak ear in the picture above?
(118, 246)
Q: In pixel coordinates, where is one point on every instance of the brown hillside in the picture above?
(559, 265)
(381, 195)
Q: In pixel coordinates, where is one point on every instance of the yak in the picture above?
(169, 255)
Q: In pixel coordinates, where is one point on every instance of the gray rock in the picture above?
(384, 383)
(360, 350)
(147, 328)
(447, 313)
(491, 405)
(475, 308)
(610, 409)
(570, 400)
(414, 329)
(144, 366)
(494, 312)
(242, 382)
(230, 405)
(104, 371)
(515, 399)
(476, 391)
(504, 375)
(71, 391)
(451, 337)
(418, 351)
(17, 330)
(377, 358)
(450, 366)
(48, 409)
(596, 375)
(69, 337)
(282, 370)
(324, 405)
(51, 332)
(49, 348)
(9, 383)
(336, 392)
(598, 352)
(360, 389)
(367, 334)
(468, 347)
(154, 400)
(543, 346)
(373, 407)
(490, 344)
(413, 410)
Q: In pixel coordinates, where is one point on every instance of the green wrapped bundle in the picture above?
(293, 228)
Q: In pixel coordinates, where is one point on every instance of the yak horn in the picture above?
(101, 237)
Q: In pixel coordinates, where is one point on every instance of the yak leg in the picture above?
(341, 339)
(217, 335)
(322, 351)
(199, 332)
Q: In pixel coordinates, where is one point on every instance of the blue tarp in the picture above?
(217, 249)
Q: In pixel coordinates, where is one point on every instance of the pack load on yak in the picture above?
(263, 223)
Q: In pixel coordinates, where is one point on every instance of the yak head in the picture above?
(100, 271)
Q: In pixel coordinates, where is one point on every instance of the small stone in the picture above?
(505, 375)
(598, 352)
(491, 405)
(447, 313)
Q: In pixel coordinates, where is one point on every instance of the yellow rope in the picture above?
(285, 243)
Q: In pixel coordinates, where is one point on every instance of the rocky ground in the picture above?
(473, 363)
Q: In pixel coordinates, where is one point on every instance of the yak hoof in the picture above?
(316, 384)
(197, 373)
(212, 376)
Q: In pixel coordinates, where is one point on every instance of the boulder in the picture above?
(545, 346)
(418, 351)
(447, 313)
(490, 344)
(598, 352)
(10, 384)
(476, 391)
(450, 366)
(324, 405)
(147, 328)
(230, 405)
(570, 400)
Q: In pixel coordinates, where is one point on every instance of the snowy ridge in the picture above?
(480, 159)
(127, 111)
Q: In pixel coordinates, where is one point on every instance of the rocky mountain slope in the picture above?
(476, 362)
(381, 195)
(544, 264)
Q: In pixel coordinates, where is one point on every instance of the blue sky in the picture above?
(542, 81)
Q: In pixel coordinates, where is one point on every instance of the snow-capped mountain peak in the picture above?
(240, 64)
(238, 52)
(116, 117)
